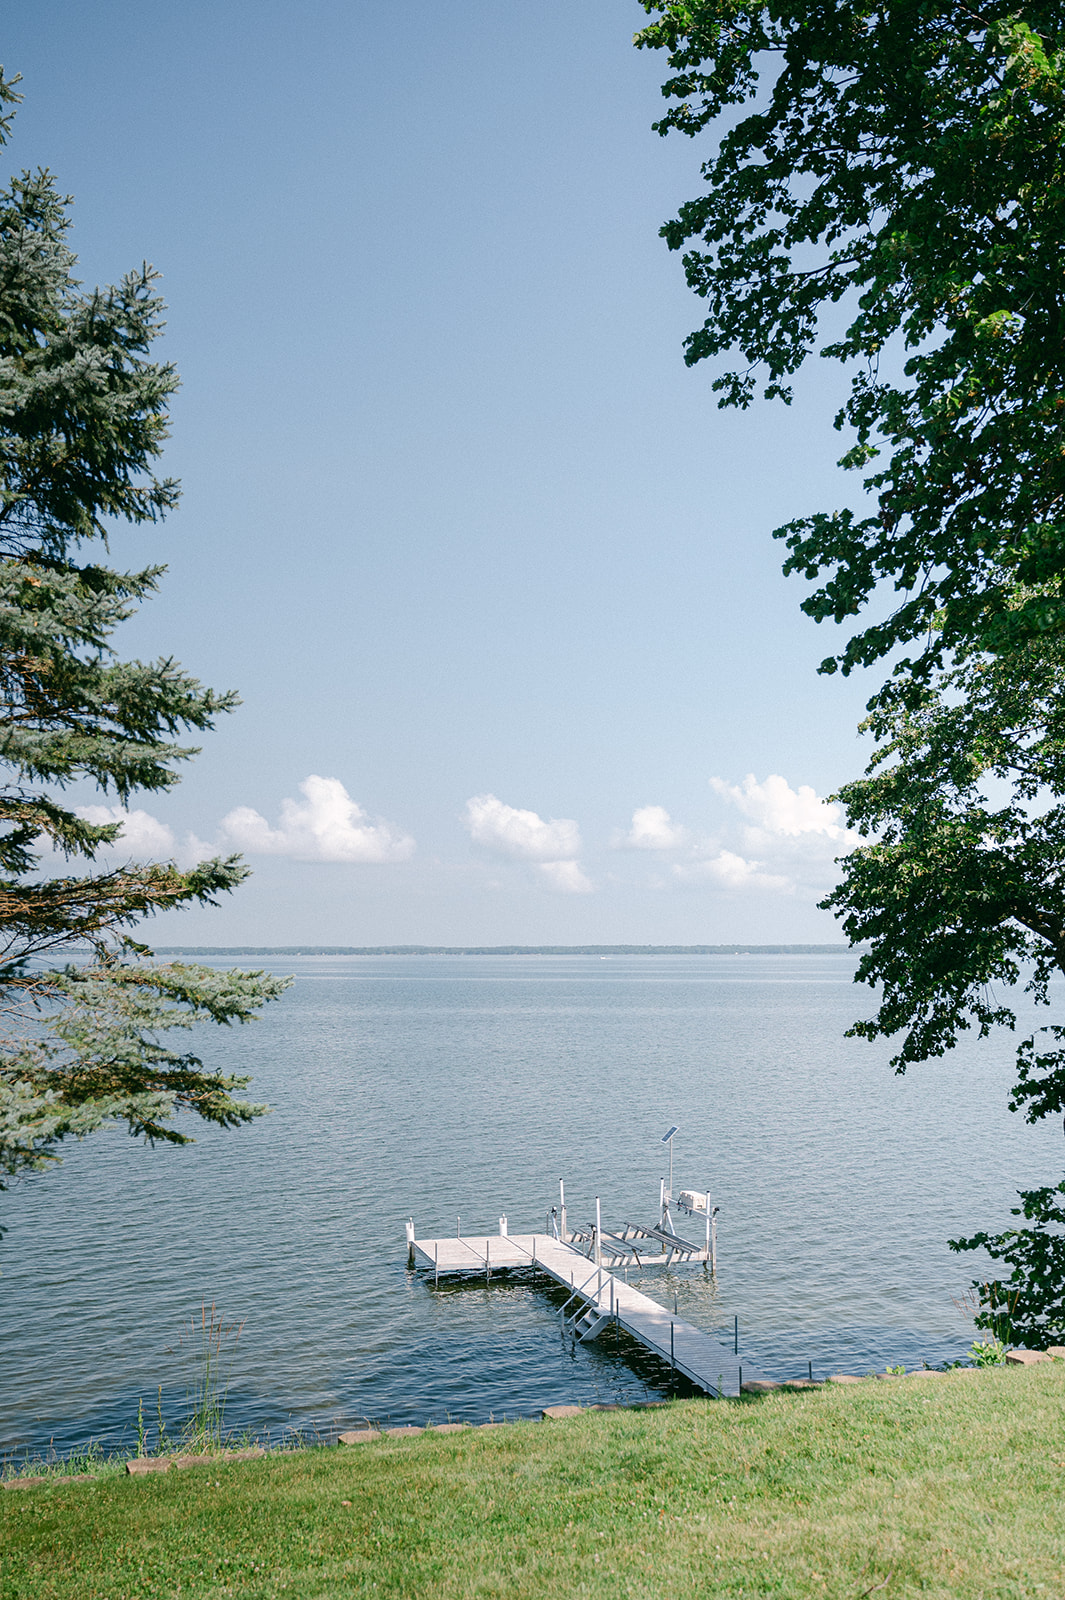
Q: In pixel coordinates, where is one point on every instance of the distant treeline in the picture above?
(508, 950)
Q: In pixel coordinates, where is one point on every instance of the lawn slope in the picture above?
(942, 1486)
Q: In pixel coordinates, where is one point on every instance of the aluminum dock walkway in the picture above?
(605, 1298)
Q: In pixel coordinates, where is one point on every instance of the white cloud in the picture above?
(652, 829)
(778, 808)
(730, 871)
(524, 836)
(194, 849)
(143, 836)
(789, 842)
(566, 877)
(506, 831)
(328, 825)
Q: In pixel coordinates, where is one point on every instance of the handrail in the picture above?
(581, 1290)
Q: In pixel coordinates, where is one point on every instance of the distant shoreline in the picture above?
(510, 950)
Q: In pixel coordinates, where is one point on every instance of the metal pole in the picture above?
(562, 1207)
(671, 1166)
(810, 1366)
(458, 1227)
(736, 1338)
(713, 1243)
(672, 1357)
(598, 1252)
(436, 1263)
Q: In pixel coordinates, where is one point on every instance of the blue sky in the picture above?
(492, 573)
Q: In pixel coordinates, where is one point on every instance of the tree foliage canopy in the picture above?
(906, 160)
(82, 421)
(960, 896)
(905, 163)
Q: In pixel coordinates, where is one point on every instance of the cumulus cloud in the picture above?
(778, 808)
(327, 825)
(566, 877)
(652, 829)
(783, 840)
(524, 836)
(789, 841)
(729, 871)
(143, 836)
(506, 831)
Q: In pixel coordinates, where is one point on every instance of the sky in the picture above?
(492, 574)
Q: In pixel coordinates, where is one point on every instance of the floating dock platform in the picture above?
(598, 1297)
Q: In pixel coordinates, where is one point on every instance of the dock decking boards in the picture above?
(705, 1362)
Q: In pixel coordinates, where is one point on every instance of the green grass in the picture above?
(948, 1486)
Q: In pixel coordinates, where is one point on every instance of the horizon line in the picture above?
(508, 950)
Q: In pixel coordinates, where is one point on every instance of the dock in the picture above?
(599, 1298)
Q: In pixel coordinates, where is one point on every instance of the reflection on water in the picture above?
(439, 1086)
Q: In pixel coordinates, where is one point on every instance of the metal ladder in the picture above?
(588, 1321)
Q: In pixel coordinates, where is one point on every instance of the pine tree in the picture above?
(83, 417)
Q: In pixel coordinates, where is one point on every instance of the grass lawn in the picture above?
(949, 1485)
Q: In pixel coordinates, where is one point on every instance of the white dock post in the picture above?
(708, 1224)
(562, 1209)
(713, 1242)
(410, 1241)
(662, 1202)
(503, 1226)
(598, 1252)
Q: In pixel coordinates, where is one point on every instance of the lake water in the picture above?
(445, 1086)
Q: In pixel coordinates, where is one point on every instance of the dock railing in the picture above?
(580, 1291)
